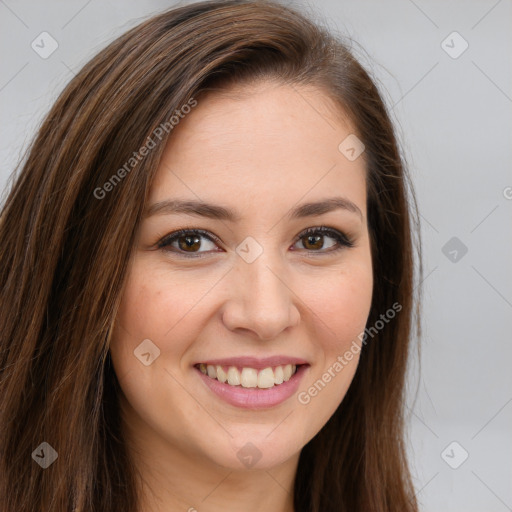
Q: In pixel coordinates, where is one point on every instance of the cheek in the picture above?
(340, 304)
(155, 306)
(163, 307)
(339, 313)
(156, 302)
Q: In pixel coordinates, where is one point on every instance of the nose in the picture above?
(260, 300)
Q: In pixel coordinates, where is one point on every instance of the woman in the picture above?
(207, 278)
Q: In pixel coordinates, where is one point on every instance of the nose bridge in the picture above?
(262, 301)
(264, 277)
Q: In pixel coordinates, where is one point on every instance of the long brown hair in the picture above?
(64, 252)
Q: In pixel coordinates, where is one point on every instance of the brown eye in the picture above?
(187, 241)
(313, 240)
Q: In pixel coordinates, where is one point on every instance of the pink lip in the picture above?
(255, 362)
(254, 398)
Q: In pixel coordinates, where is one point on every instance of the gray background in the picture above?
(454, 121)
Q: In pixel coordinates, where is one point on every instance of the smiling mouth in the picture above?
(247, 377)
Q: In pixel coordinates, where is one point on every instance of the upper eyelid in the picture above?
(213, 238)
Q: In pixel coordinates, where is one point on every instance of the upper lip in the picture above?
(258, 363)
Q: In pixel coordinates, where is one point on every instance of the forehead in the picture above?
(258, 146)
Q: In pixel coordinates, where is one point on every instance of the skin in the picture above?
(261, 150)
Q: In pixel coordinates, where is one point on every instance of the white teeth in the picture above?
(265, 378)
(278, 375)
(250, 377)
(222, 376)
(233, 376)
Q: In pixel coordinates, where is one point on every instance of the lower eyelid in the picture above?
(342, 241)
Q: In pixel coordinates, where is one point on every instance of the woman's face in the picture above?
(253, 294)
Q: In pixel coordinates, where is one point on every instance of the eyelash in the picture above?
(342, 239)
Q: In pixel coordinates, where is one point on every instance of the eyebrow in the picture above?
(212, 211)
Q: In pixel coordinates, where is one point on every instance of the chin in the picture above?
(253, 450)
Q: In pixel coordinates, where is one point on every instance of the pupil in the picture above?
(189, 241)
(317, 238)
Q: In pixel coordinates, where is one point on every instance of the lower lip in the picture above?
(255, 398)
